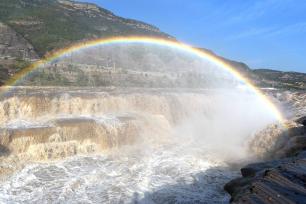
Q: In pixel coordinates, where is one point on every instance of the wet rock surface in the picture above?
(282, 178)
(302, 120)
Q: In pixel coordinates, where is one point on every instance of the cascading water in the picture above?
(164, 143)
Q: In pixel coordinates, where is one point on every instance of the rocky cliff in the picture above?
(53, 24)
(279, 179)
(30, 29)
(279, 175)
(14, 46)
(279, 79)
(15, 52)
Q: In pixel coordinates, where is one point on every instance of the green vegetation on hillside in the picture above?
(54, 24)
(48, 24)
(279, 79)
(10, 68)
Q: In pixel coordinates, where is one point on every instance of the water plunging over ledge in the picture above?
(94, 145)
(74, 129)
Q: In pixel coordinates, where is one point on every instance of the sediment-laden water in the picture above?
(155, 175)
(61, 145)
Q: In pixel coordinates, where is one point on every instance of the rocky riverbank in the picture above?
(279, 179)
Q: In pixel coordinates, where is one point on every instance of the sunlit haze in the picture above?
(263, 34)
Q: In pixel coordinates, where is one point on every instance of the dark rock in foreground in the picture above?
(302, 120)
(278, 181)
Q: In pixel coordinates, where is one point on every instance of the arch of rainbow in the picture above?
(148, 40)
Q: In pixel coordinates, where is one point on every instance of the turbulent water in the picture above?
(61, 145)
(162, 175)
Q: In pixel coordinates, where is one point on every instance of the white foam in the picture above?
(164, 174)
(23, 124)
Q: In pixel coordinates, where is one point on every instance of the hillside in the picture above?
(270, 78)
(29, 29)
(52, 24)
(279, 79)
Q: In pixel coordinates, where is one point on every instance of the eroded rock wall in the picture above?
(14, 46)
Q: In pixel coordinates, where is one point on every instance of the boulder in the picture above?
(282, 180)
(293, 146)
(252, 170)
(302, 120)
(274, 182)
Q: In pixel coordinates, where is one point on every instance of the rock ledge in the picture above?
(277, 181)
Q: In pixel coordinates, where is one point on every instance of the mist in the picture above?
(143, 116)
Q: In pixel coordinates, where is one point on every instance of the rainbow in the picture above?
(148, 40)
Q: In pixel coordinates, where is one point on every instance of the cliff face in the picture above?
(280, 176)
(279, 79)
(280, 180)
(52, 24)
(29, 29)
(15, 52)
(14, 46)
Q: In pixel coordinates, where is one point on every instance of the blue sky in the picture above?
(261, 33)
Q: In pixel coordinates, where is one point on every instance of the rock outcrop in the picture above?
(15, 52)
(54, 24)
(281, 180)
(302, 120)
(32, 28)
(14, 46)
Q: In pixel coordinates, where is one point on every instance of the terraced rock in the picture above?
(279, 181)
